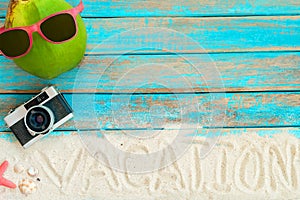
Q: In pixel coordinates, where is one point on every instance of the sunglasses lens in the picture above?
(59, 28)
(14, 43)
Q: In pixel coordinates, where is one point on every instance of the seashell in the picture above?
(27, 186)
(32, 172)
(18, 168)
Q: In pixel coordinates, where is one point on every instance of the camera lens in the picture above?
(39, 119)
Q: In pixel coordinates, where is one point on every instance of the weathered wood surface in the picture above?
(239, 72)
(255, 47)
(191, 133)
(182, 8)
(192, 35)
(169, 110)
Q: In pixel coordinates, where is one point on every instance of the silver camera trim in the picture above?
(33, 133)
(20, 113)
(40, 136)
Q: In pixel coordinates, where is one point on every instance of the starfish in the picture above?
(3, 181)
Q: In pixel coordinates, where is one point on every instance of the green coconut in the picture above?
(46, 60)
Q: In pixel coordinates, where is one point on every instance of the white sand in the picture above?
(239, 167)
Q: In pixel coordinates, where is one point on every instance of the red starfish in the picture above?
(3, 181)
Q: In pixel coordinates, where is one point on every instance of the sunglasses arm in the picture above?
(2, 29)
(80, 7)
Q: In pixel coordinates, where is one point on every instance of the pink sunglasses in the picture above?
(57, 28)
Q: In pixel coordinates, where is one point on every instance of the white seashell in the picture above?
(32, 172)
(27, 186)
(18, 168)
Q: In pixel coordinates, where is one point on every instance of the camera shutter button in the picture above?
(45, 88)
(11, 110)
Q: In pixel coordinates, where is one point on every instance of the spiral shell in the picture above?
(27, 186)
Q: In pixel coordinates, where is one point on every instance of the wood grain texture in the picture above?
(8, 136)
(105, 74)
(150, 8)
(255, 47)
(192, 35)
(103, 111)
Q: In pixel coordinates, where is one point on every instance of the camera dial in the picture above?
(39, 120)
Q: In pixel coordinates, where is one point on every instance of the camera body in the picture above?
(39, 116)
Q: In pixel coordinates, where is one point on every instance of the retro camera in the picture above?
(39, 116)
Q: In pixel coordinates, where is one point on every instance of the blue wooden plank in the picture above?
(192, 35)
(239, 72)
(137, 8)
(263, 132)
(170, 110)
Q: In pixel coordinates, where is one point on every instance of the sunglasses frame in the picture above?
(37, 28)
